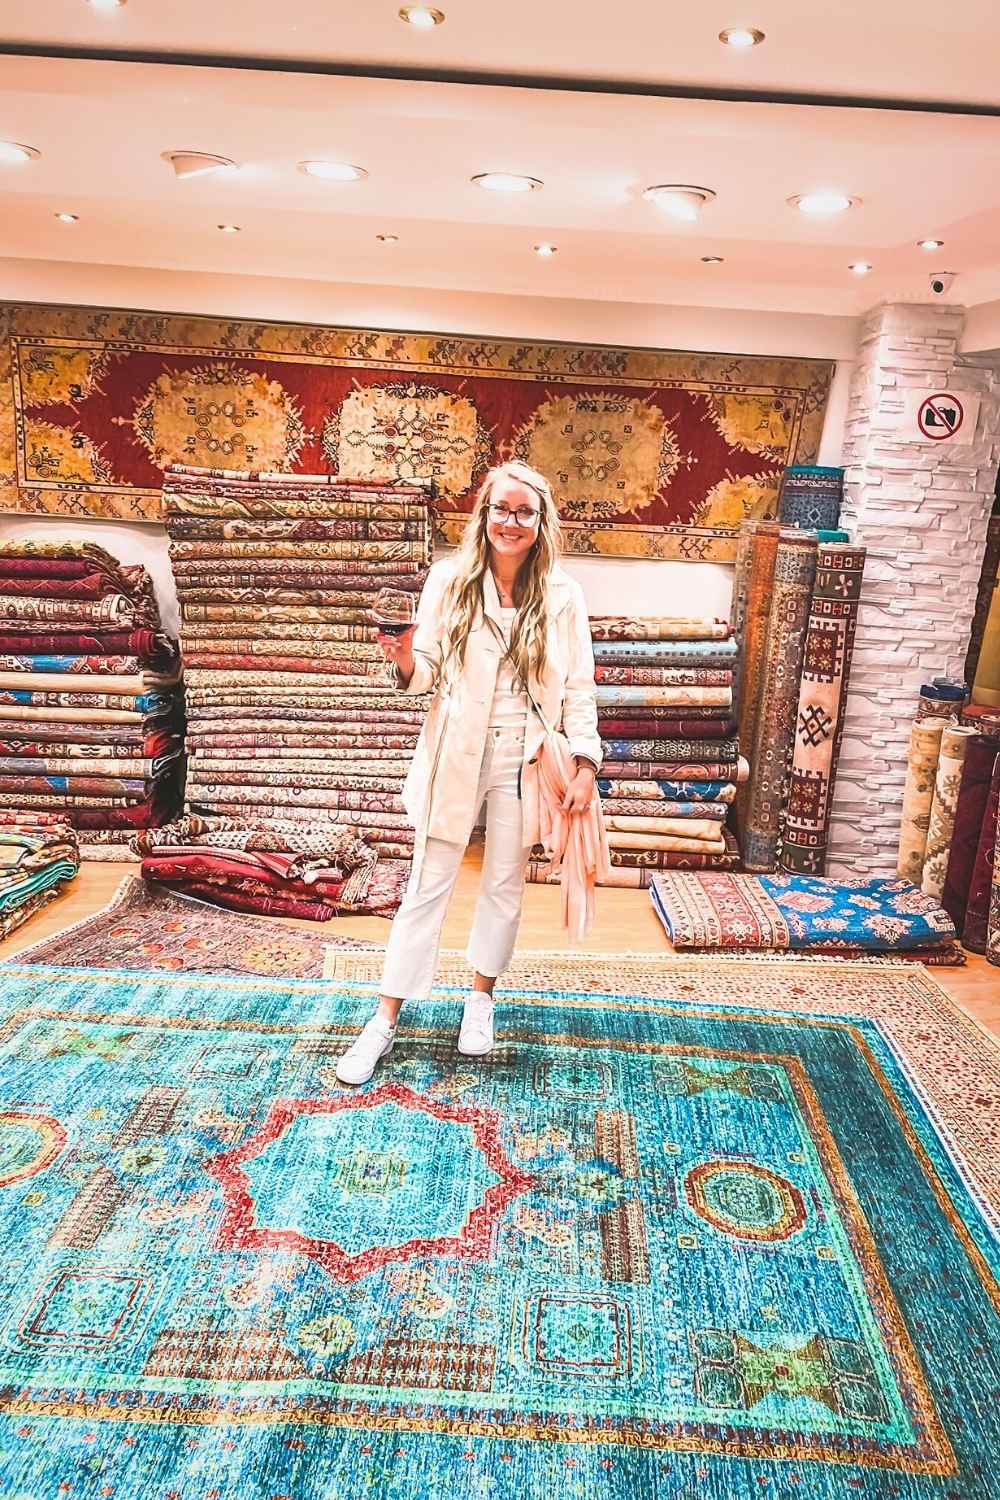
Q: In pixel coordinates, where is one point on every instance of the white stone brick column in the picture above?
(922, 514)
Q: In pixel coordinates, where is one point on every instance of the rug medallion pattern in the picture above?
(651, 1248)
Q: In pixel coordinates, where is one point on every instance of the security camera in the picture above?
(942, 282)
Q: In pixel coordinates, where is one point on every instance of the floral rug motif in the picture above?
(698, 1244)
(789, 911)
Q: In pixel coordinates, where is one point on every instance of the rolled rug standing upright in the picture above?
(970, 812)
(993, 921)
(819, 718)
(760, 553)
(954, 742)
(918, 794)
(942, 697)
(771, 750)
(977, 912)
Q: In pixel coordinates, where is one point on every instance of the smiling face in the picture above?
(509, 541)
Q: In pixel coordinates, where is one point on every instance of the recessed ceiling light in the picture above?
(387, 239)
(929, 244)
(679, 200)
(231, 228)
(713, 260)
(741, 36)
(823, 203)
(197, 163)
(68, 218)
(861, 267)
(15, 155)
(107, 4)
(333, 171)
(423, 17)
(506, 182)
(545, 249)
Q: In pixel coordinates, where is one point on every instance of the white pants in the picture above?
(412, 950)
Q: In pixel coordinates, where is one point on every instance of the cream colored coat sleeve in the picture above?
(579, 693)
(427, 637)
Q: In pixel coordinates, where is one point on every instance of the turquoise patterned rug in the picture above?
(672, 1248)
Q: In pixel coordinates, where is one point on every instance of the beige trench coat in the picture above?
(440, 790)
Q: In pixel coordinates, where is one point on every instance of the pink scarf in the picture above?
(575, 844)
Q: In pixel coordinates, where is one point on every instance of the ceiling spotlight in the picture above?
(545, 249)
(107, 4)
(821, 204)
(861, 267)
(68, 218)
(679, 200)
(423, 17)
(506, 182)
(387, 239)
(741, 36)
(230, 228)
(333, 171)
(929, 244)
(12, 154)
(713, 260)
(197, 163)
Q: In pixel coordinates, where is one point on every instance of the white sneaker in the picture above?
(476, 1036)
(360, 1061)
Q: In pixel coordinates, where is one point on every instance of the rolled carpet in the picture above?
(918, 794)
(970, 814)
(614, 729)
(672, 842)
(975, 929)
(678, 770)
(673, 653)
(667, 790)
(663, 827)
(657, 812)
(656, 628)
(948, 779)
(717, 697)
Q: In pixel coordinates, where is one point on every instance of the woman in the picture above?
(502, 639)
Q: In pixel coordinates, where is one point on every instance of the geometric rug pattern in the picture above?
(666, 1247)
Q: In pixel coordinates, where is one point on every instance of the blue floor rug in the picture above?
(652, 1247)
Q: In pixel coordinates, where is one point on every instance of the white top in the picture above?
(509, 709)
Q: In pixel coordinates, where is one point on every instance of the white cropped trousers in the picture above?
(412, 950)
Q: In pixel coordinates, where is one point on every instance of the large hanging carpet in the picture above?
(690, 1231)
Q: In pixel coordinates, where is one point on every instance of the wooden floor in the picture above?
(625, 923)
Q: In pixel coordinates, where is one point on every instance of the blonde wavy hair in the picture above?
(463, 602)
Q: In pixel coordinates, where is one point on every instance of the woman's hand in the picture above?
(398, 649)
(580, 792)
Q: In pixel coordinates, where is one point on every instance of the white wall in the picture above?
(611, 585)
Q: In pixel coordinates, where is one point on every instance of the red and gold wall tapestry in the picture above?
(651, 453)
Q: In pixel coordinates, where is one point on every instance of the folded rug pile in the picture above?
(279, 868)
(804, 913)
(291, 715)
(37, 857)
(91, 701)
(672, 761)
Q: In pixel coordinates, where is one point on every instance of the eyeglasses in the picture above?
(523, 516)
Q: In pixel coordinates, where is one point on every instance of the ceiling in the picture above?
(890, 48)
(101, 126)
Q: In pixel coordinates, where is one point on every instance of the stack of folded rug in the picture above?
(91, 702)
(291, 714)
(38, 855)
(725, 915)
(672, 762)
(278, 868)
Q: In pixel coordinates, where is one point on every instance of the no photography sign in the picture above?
(940, 416)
